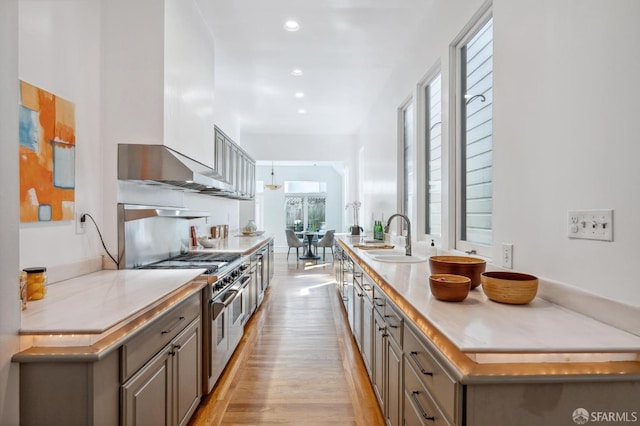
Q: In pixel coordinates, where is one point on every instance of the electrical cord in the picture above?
(83, 218)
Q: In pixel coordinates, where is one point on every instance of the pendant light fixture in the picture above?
(272, 186)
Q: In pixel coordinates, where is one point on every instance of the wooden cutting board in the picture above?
(372, 247)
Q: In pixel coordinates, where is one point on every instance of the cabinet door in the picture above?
(367, 333)
(187, 348)
(219, 153)
(393, 383)
(378, 353)
(357, 312)
(146, 396)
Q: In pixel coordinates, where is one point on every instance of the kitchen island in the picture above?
(478, 362)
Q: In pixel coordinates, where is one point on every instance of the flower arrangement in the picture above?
(355, 229)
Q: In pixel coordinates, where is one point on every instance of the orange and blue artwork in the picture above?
(47, 156)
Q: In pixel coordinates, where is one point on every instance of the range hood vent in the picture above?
(163, 166)
(135, 211)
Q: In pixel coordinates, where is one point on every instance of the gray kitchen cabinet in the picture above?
(153, 377)
(363, 318)
(146, 398)
(167, 389)
(434, 393)
(388, 361)
(379, 335)
(234, 166)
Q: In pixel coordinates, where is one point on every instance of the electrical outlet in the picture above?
(81, 225)
(591, 225)
(507, 255)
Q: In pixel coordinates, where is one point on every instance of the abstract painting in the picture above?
(47, 156)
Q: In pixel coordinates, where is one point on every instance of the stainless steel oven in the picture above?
(227, 311)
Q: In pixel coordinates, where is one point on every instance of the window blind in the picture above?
(477, 137)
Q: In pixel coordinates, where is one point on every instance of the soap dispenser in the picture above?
(433, 250)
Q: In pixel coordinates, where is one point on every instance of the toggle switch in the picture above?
(591, 224)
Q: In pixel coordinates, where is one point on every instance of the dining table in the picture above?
(309, 254)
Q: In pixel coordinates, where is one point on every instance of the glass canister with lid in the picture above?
(36, 282)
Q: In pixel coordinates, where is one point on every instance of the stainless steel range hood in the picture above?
(130, 212)
(161, 165)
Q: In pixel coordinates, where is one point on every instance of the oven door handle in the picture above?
(229, 297)
(217, 308)
(245, 280)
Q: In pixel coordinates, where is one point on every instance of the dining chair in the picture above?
(324, 242)
(293, 241)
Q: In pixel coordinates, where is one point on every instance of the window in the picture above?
(475, 138)
(305, 205)
(408, 160)
(433, 154)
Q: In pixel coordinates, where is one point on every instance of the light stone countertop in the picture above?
(93, 304)
(479, 327)
(237, 244)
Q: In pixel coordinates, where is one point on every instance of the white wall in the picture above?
(9, 243)
(60, 52)
(565, 102)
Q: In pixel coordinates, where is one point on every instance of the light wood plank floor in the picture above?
(297, 362)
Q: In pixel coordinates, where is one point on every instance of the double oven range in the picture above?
(159, 238)
(225, 304)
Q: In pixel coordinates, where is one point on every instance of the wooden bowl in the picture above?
(449, 287)
(470, 267)
(509, 287)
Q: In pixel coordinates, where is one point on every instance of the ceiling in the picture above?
(345, 48)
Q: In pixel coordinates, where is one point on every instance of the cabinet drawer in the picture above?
(419, 407)
(439, 384)
(138, 350)
(394, 323)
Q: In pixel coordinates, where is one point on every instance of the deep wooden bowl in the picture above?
(470, 267)
(449, 287)
(509, 287)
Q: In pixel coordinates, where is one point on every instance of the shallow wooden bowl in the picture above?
(509, 287)
(449, 287)
(470, 267)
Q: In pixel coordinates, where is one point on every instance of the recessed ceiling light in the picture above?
(302, 111)
(297, 72)
(299, 95)
(291, 26)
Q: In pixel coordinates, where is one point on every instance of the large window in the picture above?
(433, 154)
(305, 205)
(408, 159)
(474, 137)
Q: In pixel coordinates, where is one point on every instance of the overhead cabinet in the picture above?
(234, 166)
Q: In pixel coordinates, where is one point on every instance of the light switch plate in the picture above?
(507, 255)
(591, 224)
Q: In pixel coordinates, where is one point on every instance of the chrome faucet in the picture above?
(406, 219)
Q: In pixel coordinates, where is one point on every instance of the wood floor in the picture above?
(297, 362)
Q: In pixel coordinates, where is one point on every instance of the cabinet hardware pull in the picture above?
(173, 326)
(422, 370)
(422, 412)
(380, 328)
(177, 347)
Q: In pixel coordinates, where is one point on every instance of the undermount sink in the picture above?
(394, 257)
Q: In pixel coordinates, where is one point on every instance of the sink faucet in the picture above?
(406, 219)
